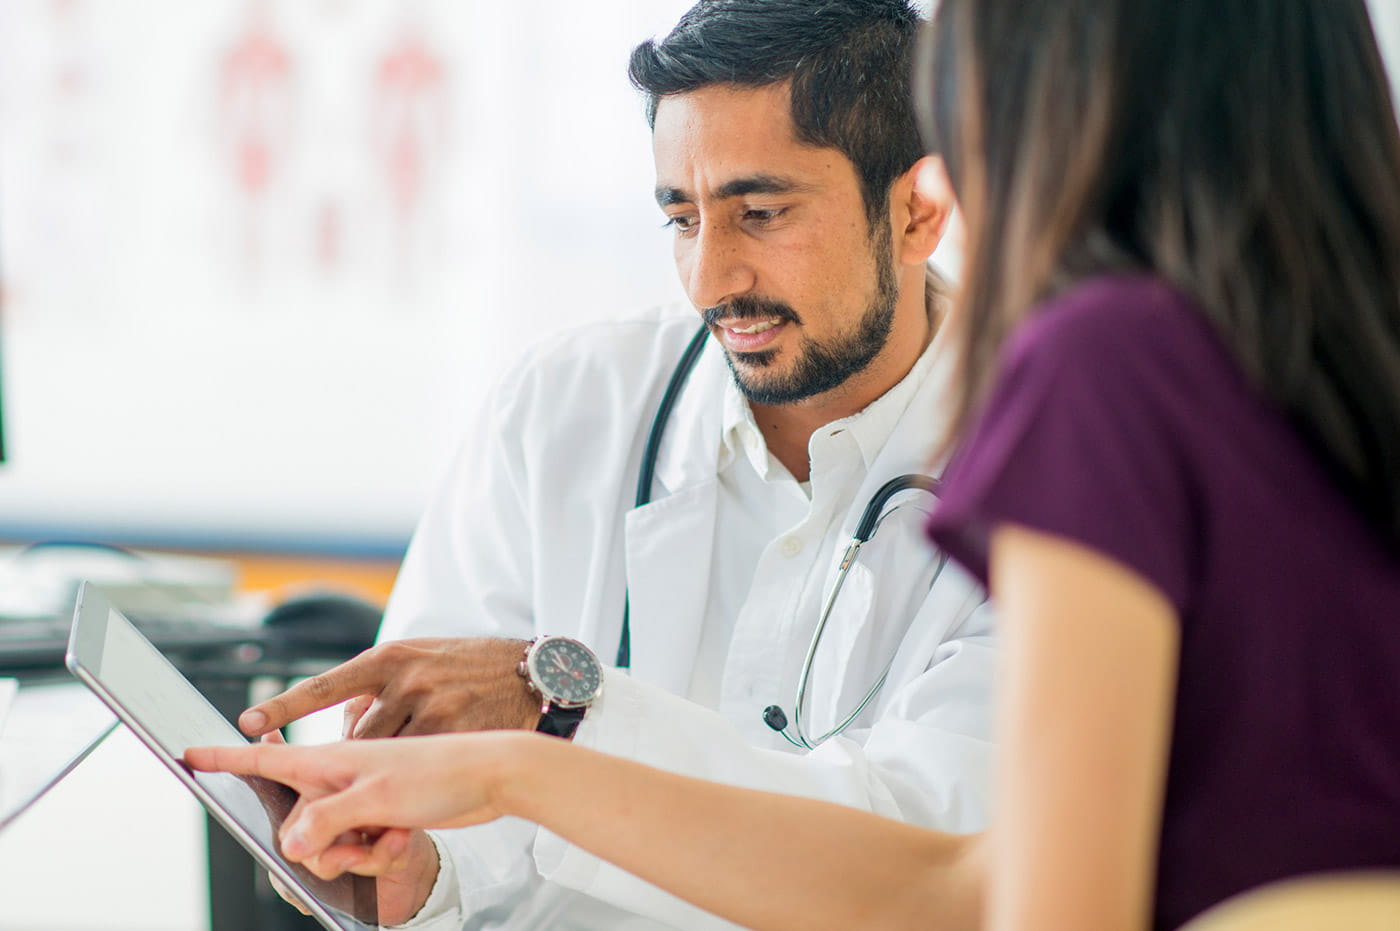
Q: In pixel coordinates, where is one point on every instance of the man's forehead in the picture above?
(733, 141)
(772, 101)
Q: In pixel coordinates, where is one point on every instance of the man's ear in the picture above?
(923, 200)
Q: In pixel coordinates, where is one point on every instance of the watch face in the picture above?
(565, 671)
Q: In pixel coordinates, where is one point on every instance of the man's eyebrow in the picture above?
(760, 184)
(739, 187)
(669, 196)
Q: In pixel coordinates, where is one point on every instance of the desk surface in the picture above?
(50, 727)
(119, 845)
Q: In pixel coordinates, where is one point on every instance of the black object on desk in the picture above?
(331, 621)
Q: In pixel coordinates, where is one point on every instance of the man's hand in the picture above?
(405, 863)
(425, 686)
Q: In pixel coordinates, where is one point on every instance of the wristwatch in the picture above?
(566, 676)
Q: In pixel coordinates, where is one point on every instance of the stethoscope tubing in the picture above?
(869, 520)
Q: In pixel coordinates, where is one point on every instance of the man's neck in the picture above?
(787, 428)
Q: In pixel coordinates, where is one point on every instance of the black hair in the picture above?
(1246, 151)
(848, 62)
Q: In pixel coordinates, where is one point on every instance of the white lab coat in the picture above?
(529, 534)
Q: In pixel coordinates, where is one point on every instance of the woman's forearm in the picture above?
(760, 859)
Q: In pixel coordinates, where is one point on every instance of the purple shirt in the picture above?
(1121, 422)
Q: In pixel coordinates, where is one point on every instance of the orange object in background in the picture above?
(282, 576)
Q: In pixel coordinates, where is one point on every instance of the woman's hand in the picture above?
(375, 788)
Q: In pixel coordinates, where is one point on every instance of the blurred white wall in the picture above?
(258, 258)
(1385, 16)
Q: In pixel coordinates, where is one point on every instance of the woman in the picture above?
(1181, 479)
(1184, 485)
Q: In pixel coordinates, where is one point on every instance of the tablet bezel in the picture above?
(91, 617)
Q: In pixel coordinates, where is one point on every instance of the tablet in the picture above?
(169, 715)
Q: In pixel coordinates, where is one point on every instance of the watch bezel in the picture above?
(537, 681)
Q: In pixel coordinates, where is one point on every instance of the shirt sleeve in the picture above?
(1081, 438)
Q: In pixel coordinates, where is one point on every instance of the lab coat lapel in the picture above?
(671, 540)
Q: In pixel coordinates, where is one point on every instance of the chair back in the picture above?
(1348, 901)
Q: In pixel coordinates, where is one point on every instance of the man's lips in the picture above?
(749, 327)
(750, 335)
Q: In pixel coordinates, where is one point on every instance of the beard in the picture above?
(820, 366)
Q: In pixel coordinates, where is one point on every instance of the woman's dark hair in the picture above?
(1244, 150)
(848, 61)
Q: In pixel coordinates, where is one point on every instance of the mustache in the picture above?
(750, 308)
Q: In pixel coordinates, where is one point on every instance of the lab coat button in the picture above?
(791, 547)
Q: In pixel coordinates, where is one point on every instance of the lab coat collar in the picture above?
(917, 422)
(692, 444)
(739, 433)
(873, 428)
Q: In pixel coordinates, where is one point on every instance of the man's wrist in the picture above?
(536, 710)
(529, 701)
(440, 909)
(431, 890)
(535, 705)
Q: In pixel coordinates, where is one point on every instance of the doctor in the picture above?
(786, 157)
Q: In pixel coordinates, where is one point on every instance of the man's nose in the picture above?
(715, 268)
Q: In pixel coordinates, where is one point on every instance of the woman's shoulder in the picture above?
(1089, 431)
(1122, 333)
(1113, 315)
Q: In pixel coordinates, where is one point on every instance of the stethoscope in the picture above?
(773, 715)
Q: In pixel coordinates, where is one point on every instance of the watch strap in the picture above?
(560, 722)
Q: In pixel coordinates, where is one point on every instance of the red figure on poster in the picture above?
(408, 122)
(255, 108)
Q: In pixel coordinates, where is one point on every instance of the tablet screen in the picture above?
(166, 710)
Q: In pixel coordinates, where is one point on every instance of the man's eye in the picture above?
(681, 224)
(758, 215)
